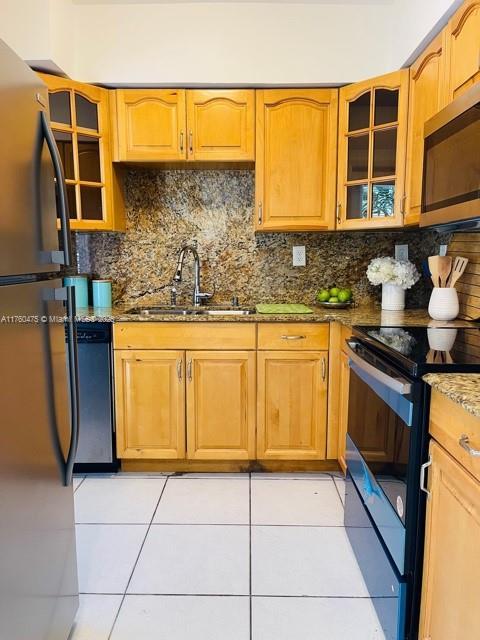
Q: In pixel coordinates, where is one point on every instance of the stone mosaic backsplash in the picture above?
(166, 209)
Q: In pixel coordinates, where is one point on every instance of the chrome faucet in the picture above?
(198, 295)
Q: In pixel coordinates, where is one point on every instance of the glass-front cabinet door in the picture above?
(371, 152)
(79, 117)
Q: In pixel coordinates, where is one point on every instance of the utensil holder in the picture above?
(443, 303)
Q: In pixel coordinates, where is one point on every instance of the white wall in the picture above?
(127, 41)
(62, 24)
(24, 27)
(416, 18)
(233, 43)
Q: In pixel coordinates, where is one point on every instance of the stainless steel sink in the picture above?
(190, 311)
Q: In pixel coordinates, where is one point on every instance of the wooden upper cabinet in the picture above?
(221, 405)
(150, 404)
(151, 124)
(427, 97)
(221, 124)
(296, 133)
(292, 405)
(80, 121)
(158, 125)
(451, 589)
(371, 152)
(463, 47)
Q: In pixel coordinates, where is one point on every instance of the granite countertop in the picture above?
(361, 315)
(462, 388)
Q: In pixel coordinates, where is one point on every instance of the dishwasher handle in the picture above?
(400, 385)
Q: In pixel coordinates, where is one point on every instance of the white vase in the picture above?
(393, 297)
(443, 303)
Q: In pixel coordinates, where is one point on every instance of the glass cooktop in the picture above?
(421, 350)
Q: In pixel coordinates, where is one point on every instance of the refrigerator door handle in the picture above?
(56, 256)
(73, 386)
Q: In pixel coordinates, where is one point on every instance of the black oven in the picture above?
(386, 442)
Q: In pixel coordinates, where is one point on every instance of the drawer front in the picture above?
(449, 424)
(184, 335)
(294, 336)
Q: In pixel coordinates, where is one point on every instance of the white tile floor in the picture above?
(218, 557)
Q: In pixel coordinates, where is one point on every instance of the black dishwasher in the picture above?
(96, 445)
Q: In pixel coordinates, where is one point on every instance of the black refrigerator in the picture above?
(38, 369)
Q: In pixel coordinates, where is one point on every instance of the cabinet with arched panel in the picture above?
(427, 97)
(80, 120)
(171, 125)
(463, 49)
(371, 152)
(151, 125)
(296, 145)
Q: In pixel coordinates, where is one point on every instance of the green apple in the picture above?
(323, 295)
(333, 299)
(344, 295)
(334, 291)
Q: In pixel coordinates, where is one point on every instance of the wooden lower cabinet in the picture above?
(451, 587)
(292, 405)
(343, 409)
(150, 404)
(221, 405)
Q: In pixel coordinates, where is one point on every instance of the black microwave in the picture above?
(451, 165)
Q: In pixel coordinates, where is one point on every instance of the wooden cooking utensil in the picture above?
(433, 266)
(444, 269)
(459, 265)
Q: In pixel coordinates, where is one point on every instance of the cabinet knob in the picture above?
(189, 370)
(181, 141)
(179, 370)
(260, 213)
(296, 337)
(339, 210)
(190, 141)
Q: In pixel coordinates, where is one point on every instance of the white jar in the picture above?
(443, 303)
(393, 297)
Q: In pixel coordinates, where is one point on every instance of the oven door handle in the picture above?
(399, 385)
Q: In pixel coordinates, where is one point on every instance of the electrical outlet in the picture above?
(401, 252)
(299, 257)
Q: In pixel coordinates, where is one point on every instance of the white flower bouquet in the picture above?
(387, 270)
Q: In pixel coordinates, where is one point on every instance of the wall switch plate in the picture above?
(299, 257)
(401, 252)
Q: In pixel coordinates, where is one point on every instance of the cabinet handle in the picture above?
(339, 211)
(464, 442)
(190, 140)
(324, 369)
(423, 469)
(181, 141)
(260, 213)
(293, 337)
(402, 204)
(189, 370)
(179, 369)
